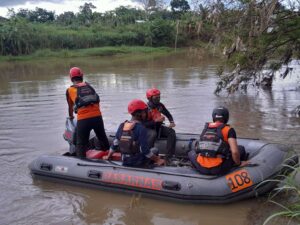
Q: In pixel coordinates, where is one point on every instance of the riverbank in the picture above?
(133, 51)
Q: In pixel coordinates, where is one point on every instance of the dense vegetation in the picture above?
(27, 31)
(255, 36)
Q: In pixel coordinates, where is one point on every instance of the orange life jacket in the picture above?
(88, 111)
(213, 146)
(127, 144)
(154, 114)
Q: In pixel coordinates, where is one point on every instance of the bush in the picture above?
(162, 32)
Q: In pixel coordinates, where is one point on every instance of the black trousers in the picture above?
(170, 134)
(83, 130)
(226, 166)
(151, 137)
(163, 132)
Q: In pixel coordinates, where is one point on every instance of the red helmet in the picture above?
(136, 104)
(152, 92)
(75, 72)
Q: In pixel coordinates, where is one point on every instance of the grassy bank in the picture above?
(91, 52)
(289, 210)
(282, 205)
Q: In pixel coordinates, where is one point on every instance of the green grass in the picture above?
(90, 52)
(291, 209)
(292, 212)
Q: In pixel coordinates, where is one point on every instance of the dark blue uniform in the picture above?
(141, 158)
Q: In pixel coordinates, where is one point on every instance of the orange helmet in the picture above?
(136, 104)
(152, 92)
(75, 72)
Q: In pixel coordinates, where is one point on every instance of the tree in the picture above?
(66, 18)
(38, 15)
(179, 6)
(86, 13)
(23, 13)
(41, 15)
(126, 15)
(2, 19)
(267, 39)
(151, 5)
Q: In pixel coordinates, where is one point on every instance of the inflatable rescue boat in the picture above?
(178, 180)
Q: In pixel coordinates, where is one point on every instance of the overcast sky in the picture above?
(60, 6)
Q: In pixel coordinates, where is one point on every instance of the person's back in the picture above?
(84, 101)
(83, 109)
(132, 138)
(217, 151)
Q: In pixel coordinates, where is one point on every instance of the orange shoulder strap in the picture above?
(72, 91)
(225, 132)
(128, 125)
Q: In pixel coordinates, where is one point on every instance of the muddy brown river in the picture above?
(32, 116)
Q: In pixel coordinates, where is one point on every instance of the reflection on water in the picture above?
(99, 207)
(32, 115)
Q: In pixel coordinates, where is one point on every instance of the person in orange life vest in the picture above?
(83, 100)
(156, 117)
(217, 151)
(131, 139)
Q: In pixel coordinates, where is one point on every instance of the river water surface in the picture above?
(33, 111)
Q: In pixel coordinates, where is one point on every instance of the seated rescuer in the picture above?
(83, 100)
(156, 116)
(131, 138)
(217, 151)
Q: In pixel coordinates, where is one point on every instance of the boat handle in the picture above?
(94, 174)
(171, 185)
(46, 166)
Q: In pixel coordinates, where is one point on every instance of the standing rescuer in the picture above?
(217, 151)
(156, 117)
(83, 100)
(131, 139)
